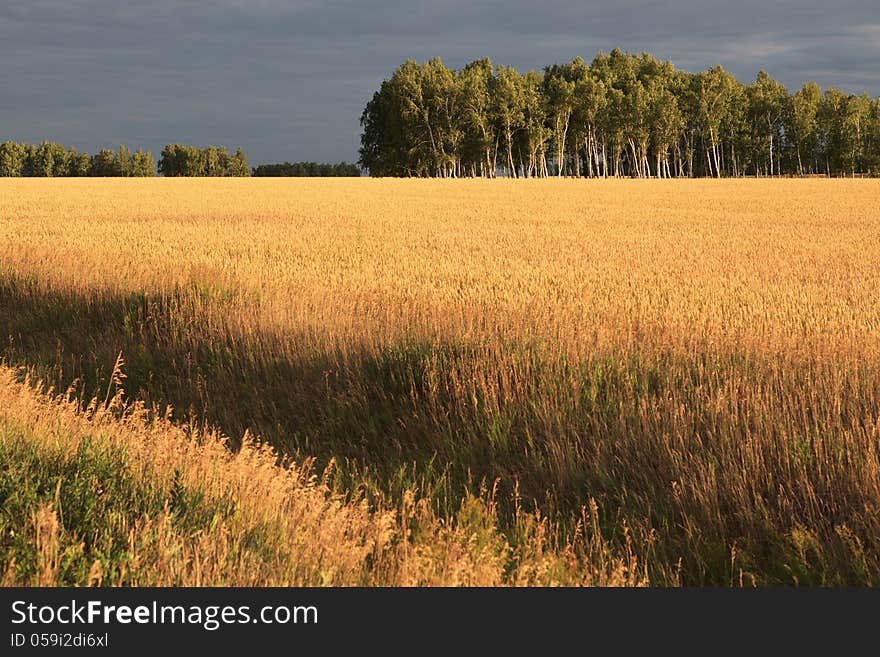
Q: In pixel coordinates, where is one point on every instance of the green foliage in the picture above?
(104, 163)
(307, 169)
(47, 160)
(78, 164)
(13, 158)
(801, 125)
(143, 164)
(96, 496)
(621, 115)
(238, 165)
(52, 160)
(179, 160)
(768, 101)
(123, 162)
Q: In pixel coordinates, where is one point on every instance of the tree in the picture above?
(508, 110)
(104, 163)
(238, 164)
(180, 160)
(801, 124)
(47, 160)
(665, 122)
(78, 164)
(623, 114)
(736, 133)
(872, 137)
(142, 164)
(13, 158)
(535, 132)
(123, 162)
(195, 162)
(768, 102)
(589, 101)
(385, 142)
(559, 89)
(844, 123)
(213, 158)
(307, 169)
(713, 89)
(854, 120)
(479, 142)
(419, 118)
(612, 71)
(170, 164)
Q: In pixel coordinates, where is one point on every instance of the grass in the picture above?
(689, 369)
(105, 495)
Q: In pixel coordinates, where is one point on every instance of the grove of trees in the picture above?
(53, 160)
(620, 115)
(180, 160)
(314, 169)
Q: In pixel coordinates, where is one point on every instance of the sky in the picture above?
(288, 80)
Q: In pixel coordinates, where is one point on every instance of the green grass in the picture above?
(97, 500)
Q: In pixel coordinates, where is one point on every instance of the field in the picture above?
(369, 381)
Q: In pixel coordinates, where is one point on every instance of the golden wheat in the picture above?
(785, 264)
(700, 356)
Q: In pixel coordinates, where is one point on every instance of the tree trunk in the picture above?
(589, 147)
(604, 160)
(632, 148)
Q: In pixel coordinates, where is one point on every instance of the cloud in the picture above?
(288, 79)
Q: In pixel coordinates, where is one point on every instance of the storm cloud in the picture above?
(288, 80)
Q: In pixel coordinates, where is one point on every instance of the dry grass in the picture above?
(700, 357)
(116, 498)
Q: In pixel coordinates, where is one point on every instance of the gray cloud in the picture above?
(288, 80)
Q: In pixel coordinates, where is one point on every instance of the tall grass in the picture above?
(105, 495)
(700, 358)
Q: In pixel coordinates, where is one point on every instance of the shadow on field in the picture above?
(722, 467)
(386, 414)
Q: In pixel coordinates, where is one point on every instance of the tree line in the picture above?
(620, 115)
(303, 169)
(179, 160)
(49, 159)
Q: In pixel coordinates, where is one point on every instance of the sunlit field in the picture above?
(453, 381)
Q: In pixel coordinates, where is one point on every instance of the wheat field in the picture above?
(476, 381)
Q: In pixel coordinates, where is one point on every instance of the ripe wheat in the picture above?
(701, 358)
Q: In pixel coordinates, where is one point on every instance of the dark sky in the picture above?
(288, 80)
